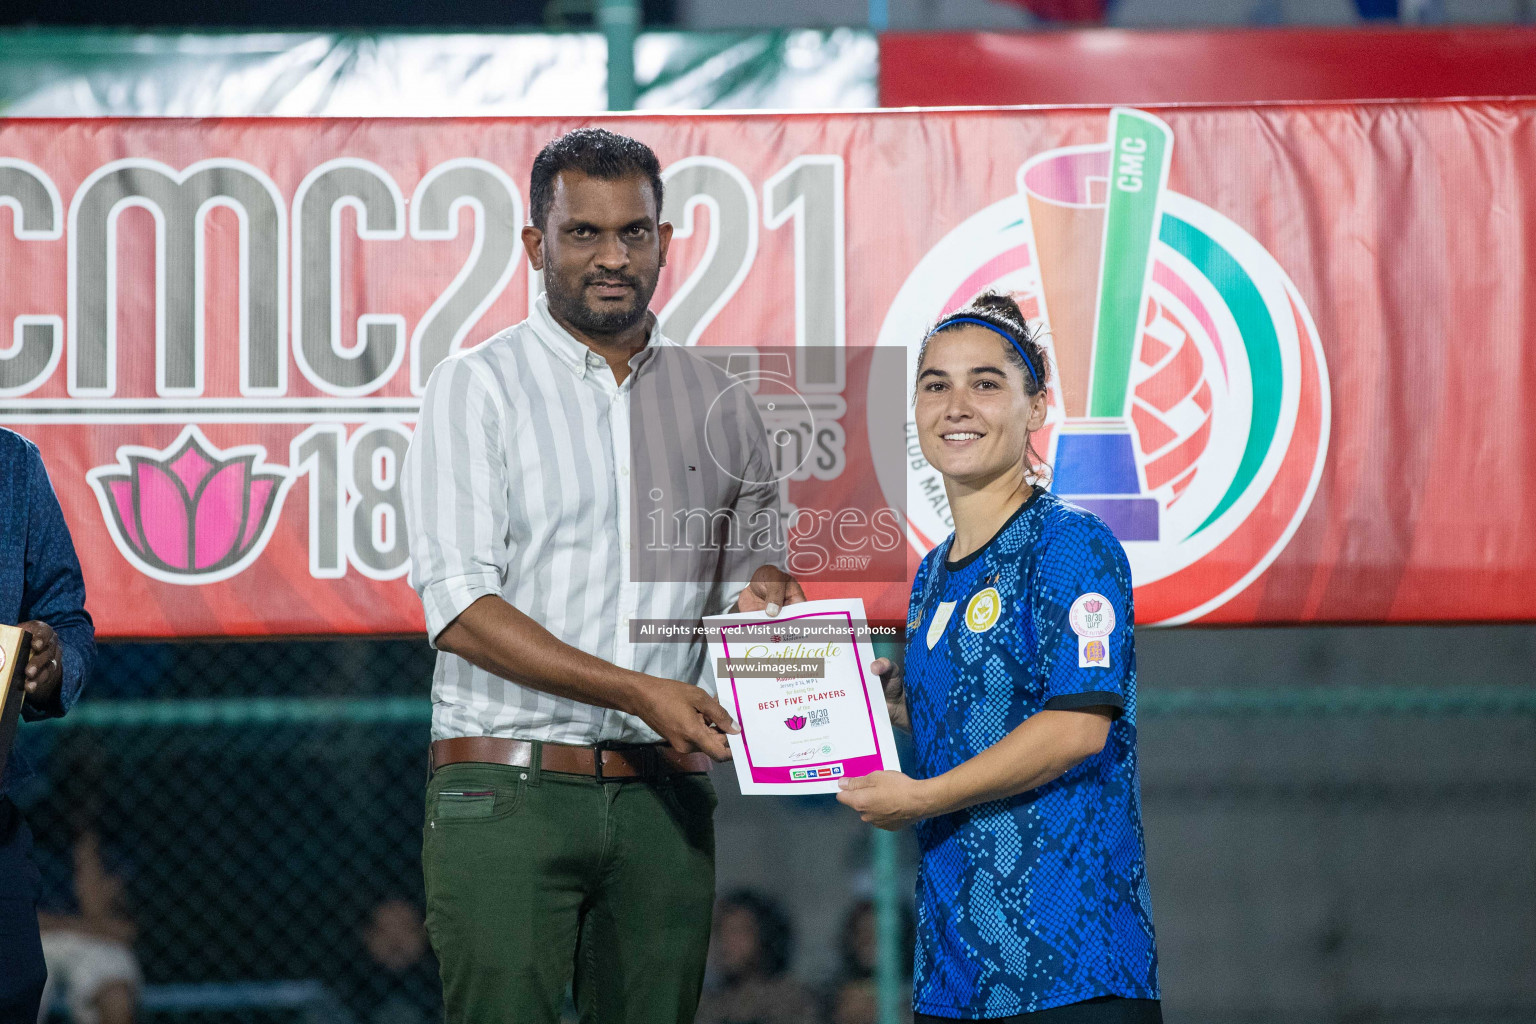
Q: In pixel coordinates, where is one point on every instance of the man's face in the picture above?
(601, 250)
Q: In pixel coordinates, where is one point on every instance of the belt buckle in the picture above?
(598, 750)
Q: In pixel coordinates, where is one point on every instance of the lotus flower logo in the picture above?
(1092, 606)
(795, 722)
(191, 513)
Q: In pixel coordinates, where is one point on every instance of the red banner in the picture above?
(952, 69)
(1293, 341)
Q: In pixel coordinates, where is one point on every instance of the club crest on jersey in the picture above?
(1092, 616)
(982, 613)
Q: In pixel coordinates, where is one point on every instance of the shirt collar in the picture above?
(573, 353)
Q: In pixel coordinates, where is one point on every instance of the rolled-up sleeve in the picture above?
(54, 589)
(454, 487)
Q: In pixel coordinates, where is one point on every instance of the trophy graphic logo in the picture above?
(1095, 212)
(1189, 408)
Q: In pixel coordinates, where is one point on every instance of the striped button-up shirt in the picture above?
(520, 483)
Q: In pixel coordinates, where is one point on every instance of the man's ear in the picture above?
(533, 245)
(664, 236)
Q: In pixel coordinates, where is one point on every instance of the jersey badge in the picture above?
(1092, 616)
(1092, 653)
(982, 613)
(941, 616)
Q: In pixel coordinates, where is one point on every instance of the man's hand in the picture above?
(688, 718)
(45, 667)
(771, 589)
(888, 800)
(895, 687)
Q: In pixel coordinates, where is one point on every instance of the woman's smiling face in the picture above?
(973, 410)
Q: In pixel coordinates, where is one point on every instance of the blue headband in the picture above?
(996, 330)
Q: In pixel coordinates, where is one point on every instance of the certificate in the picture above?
(811, 713)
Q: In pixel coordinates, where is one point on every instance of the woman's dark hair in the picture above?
(1001, 312)
(775, 935)
(1023, 350)
(596, 152)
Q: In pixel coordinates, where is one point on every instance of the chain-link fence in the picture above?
(259, 831)
(246, 817)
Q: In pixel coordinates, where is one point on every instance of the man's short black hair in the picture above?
(593, 151)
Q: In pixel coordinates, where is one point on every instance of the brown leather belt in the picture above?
(639, 762)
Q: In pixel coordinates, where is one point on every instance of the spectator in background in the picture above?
(41, 590)
(752, 946)
(91, 966)
(398, 983)
(856, 1002)
(859, 945)
(853, 998)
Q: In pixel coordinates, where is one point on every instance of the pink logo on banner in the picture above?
(795, 722)
(190, 513)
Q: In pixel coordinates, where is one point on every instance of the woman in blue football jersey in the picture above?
(1019, 687)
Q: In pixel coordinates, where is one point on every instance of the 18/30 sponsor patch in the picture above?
(1093, 619)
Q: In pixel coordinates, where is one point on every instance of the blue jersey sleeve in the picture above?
(1083, 618)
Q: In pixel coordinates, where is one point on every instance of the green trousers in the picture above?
(540, 881)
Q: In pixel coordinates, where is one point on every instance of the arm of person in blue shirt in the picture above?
(53, 605)
(1041, 749)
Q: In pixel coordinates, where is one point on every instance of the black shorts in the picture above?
(1104, 1010)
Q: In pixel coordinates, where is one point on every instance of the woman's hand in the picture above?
(895, 691)
(888, 800)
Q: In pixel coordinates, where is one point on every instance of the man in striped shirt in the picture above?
(569, 820)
